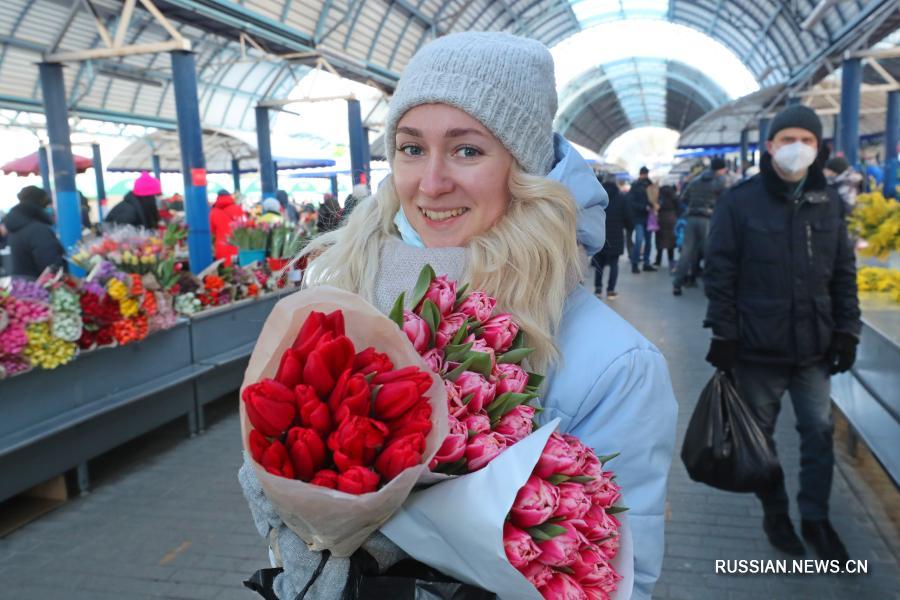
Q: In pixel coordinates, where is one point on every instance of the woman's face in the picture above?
(451, 174)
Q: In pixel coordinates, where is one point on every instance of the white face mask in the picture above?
(794, 158)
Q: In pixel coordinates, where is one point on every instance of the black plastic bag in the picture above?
(724, 447)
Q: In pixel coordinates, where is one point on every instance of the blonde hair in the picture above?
(529, 260)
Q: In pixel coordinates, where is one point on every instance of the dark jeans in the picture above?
(641, 241)
(761, 386)
(694, 238)
(601, 262)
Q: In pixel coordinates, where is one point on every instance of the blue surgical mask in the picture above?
(407, 233)
(48, 210)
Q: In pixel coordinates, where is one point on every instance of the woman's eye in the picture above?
(411, 150)
(468, 152)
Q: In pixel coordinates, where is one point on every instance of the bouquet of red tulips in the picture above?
(340, 415)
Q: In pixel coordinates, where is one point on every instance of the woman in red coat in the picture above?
(224, 213)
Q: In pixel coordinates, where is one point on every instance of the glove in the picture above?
(722, 353)
(842, 352)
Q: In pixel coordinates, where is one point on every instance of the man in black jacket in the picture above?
(639, 210)
(32, 241)
(780, 277)
(617, 219)
(700, 197)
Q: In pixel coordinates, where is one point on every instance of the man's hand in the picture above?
(842, 352)
(722, 353)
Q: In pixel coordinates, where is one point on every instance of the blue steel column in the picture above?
(98, 175)
(891, 143)
(264, 149)
(334, 186)
(157, 171)
(354, 125)
(193, 164)
(275, 170)
(851, 81)
(836, 134)
(236, 174)
(763, 134)
(367, 155)
(44, 165)
(745, 142)
(793, 100)
(68, 206)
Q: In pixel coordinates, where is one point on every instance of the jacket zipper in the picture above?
(809, 248)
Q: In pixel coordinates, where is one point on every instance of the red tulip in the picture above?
(258, 445)
(326, 363)
(370, 361)
(313, 412)
(270, 407)
(358, 480)
(317, 326)
(416, 420)
(399, 393)
(276, 461)
(290, 369)
(399, 455)
(307, 452)
(325, 478)
(350, 396)
(356, 441)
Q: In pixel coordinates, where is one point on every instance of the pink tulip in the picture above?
(609, 581)
(454, 446)
(479, 422)
(517, 424)
(592, 468)
(558, 457)
(500, 331)
(483, 448)
(416, 329)
(482, 390)
(448, 329)
(442, 292)
(478, 305)
(597, 524)
(537, 573)
(608, 494)
(609, 547)
(520, 548)
(454, 401)
(511, 378)
(536, 502)
(590, 568)
(434, 358)
(562, 550)
(562, 587)
(479, 345)
(573, 502)
(579, 449)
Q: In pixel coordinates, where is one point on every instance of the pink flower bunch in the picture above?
(15, 315)
(479, 354)
(561, 533)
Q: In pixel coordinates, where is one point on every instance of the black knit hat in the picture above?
(838, 164)
(716, 164)
(796, 115)
(644, 171)
(31, 194)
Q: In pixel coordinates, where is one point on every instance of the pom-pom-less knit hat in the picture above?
(797, 115)
(504, 81)
(147, 185)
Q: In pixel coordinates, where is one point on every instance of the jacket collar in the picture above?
(813, 188)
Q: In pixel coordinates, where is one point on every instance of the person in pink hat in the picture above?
(139, 206)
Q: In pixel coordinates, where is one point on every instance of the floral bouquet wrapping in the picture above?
(340, 415)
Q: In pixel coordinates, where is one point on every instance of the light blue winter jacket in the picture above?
(612, 388)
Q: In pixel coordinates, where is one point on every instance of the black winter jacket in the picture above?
(617, 219)
(32, 242)
(702, 193)
(129, 212)
(639, 202)
(780, 274)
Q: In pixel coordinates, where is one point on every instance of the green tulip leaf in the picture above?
(397, 311)
(514, 356)
(426, 276)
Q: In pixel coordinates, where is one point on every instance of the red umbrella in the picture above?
(30, 165)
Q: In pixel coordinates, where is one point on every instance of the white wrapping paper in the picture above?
(324, 518)
(457, 526)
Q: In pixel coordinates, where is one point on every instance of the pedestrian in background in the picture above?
(666, 218)
(700, 196)
(617, 219)
(32, 241)
(780, 277)
(639, 205)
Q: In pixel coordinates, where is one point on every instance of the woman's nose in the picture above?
(436, 179)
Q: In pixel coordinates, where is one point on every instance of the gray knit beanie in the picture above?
(504, 81)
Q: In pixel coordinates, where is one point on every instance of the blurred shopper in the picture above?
(329, 214)
(639, 205)
(291, 215)
(781, 282)
(666, 218)
(271, 212)
(222, 217)
(700, 196)
(32, 241)
(360, 192)
(138, 207)
(844, 179)
(616, 220)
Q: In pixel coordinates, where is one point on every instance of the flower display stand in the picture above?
(57, 420)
